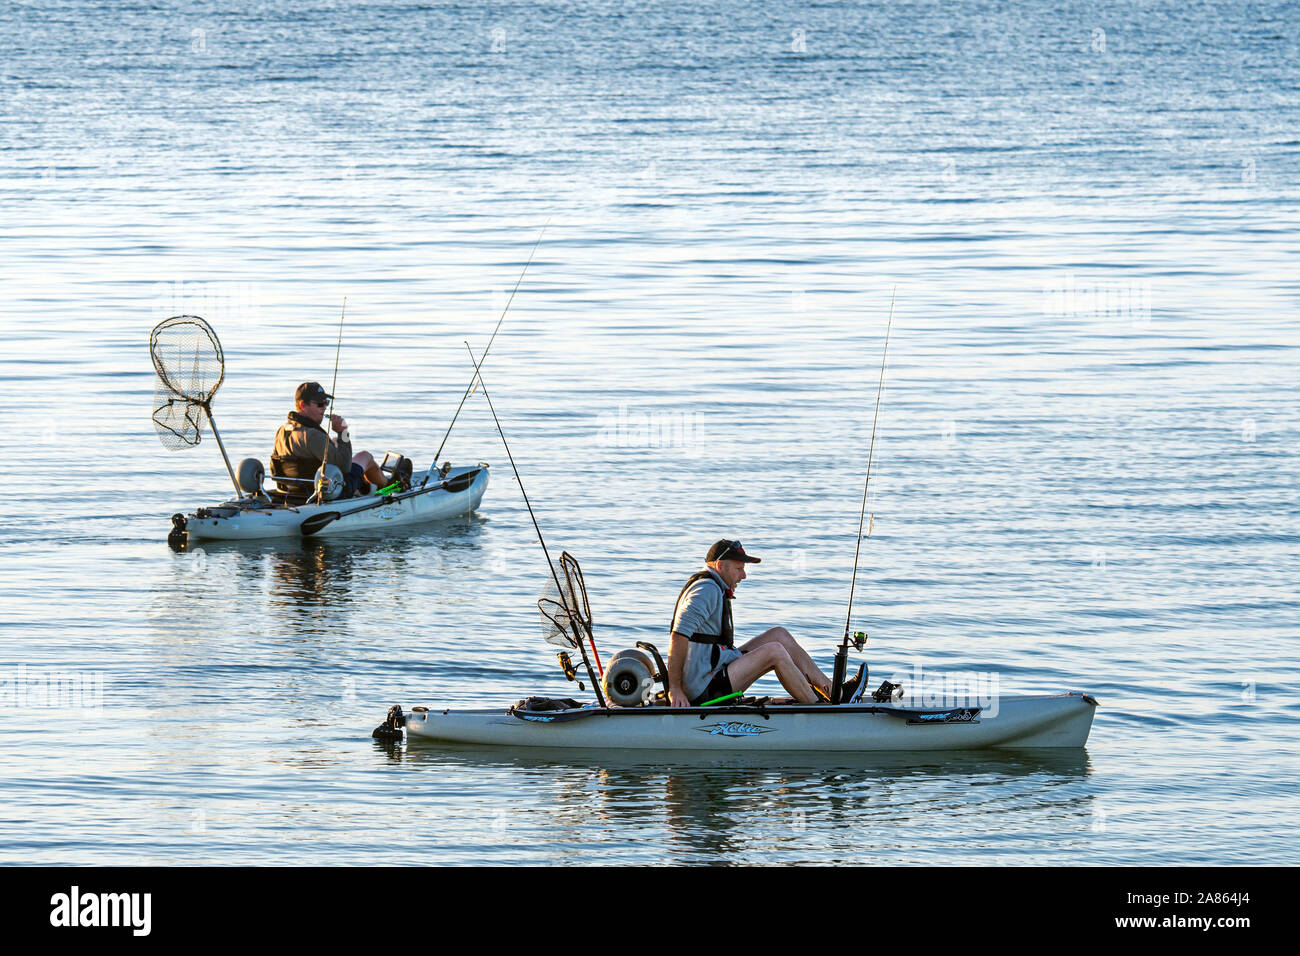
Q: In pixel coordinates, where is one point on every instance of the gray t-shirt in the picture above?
(700, 611)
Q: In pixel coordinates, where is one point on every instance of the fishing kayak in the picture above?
(1008, 722)
(458, 491)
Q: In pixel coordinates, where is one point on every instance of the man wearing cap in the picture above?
(703, 660)
(302, 444)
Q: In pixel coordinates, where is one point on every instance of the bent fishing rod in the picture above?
(329, 413)
(842, 655)
(470, 387)
(478, 376)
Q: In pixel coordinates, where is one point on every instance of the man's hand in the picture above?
(337, 423)
(677, 698)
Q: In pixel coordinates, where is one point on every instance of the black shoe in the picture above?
(849, 689)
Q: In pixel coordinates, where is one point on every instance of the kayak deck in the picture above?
(1059, 721)
(460, 491)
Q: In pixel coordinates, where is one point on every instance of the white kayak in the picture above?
(1010, 722)
(458, 492)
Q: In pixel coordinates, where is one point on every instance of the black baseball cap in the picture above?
(725, 550)
(311, 392)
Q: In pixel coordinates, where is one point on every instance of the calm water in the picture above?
(1085, 475)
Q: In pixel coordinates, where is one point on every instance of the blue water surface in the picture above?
(1085, 467)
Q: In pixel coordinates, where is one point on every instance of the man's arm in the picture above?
(676, 659)
(317, 443)
(327, 449)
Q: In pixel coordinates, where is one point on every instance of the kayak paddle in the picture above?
(315, 523)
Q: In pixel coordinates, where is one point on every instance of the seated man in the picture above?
(302, 444)
(703, 661)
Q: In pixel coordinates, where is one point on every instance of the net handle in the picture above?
(224, 457)
(160, 368)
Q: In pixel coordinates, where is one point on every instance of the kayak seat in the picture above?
(660, 675)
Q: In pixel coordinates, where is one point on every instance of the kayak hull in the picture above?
(1012, 722)
(413, 507)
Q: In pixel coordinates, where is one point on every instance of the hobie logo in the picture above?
(102, 909)
(733, 728)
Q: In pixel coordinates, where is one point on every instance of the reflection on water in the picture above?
(332, 596)
(297, 572)
(723, 808)
(1085, 475)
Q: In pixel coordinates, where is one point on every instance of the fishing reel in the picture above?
(858, 641)
(329, 483)
(570, 672)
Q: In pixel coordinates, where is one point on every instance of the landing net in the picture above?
(189, 363)
(559, 624)
(566, 616)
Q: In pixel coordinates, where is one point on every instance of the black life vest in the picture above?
(295, 466)
(728, 636)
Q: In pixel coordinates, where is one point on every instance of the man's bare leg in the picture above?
(770, 656)
(783, 638)
(371, 468)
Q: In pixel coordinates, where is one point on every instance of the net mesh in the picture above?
(557, 617)
(563, 608)
(189, 364)
(179, 423)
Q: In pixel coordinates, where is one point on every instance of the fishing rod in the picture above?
(842, 655)
(478, 375)
(329, 414)
(470, 387)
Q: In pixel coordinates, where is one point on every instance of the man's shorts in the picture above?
(720, 686)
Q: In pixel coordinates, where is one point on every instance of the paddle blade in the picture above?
(460, 482)
(315, 523)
